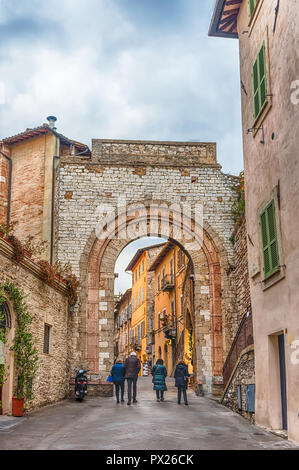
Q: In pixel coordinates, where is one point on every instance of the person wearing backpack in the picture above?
(181, 375)
(159, 374)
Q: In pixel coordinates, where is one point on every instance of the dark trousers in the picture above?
(132, 382)
(180, 390)
(160, 394)
(120, 386)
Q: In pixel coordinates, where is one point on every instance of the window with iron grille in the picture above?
(259, 81)
(47, 335)
(269, 240)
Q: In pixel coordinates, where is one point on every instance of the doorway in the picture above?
(283, 383)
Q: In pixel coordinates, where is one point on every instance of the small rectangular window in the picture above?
(47, 333)
(159, 283)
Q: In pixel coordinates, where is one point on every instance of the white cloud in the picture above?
(107, 70)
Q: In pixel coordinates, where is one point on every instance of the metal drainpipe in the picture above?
(9, 188)
(52, 208)
(55, 157)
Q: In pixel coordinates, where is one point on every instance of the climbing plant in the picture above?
(25, 353)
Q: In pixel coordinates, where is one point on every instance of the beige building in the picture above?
(269, 70)
(123, 315)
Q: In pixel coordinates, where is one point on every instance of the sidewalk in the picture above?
(99, 423)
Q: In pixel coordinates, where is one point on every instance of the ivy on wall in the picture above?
(25, 353)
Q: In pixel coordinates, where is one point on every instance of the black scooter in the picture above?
(81, 385)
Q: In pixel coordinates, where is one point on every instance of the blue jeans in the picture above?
(119, 386)
(180, 390)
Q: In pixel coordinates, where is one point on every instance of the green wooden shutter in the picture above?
(262, 76)
(269, 240)
(251, 5)
(259, 81)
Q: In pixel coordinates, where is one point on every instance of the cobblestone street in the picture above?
(101, 424)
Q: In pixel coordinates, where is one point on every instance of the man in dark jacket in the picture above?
(181, 375)
(132, 368)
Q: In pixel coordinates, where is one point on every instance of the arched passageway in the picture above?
(210, 291)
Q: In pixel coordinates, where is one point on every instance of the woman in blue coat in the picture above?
(117, 374)
(159, 374)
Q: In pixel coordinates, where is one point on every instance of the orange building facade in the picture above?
(142, 304)
(172, 340)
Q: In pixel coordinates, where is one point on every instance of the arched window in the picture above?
(5, 317)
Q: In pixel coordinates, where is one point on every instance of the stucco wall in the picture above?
(272, 172)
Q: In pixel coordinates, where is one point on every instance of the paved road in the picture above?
(99, 423)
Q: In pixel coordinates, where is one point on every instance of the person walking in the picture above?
(117, 374)
(131, 369)
(181, 375)
(159, 374)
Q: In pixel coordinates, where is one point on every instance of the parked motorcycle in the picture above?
(81, 385)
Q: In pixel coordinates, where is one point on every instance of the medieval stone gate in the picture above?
(118, 195)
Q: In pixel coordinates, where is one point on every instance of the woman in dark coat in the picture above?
(117, 374)
(181, 375)
(159, 374)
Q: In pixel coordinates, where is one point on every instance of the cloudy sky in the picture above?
(128, 69)
(135, 69)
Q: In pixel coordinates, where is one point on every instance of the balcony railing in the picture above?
(167, 282)
(243, 339)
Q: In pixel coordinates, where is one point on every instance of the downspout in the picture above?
(9, 188)
(55, 157)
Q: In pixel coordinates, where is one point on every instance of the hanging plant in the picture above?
(17, 246)
(48, 271)
(25, 353)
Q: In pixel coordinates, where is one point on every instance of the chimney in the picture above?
(52, 120)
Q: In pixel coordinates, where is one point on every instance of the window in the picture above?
(136, 275)
(139, 332)
(269, 240)
(47, 333)
(143, 329)
(252, 4)
(143, 265)
(139, 270)
(142, 294)
(259, 82)
(159, 321)
(172, 313)
(159, 283)
(182, 304)
(171, 270)
(139, 298)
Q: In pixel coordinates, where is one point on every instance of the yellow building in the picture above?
(172, 338)
(142, 303)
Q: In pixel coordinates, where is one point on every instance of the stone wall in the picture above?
(181, 173)
(243, 375)
(46, 304)
(243, 369)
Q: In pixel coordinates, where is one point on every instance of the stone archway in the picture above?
(209, 265)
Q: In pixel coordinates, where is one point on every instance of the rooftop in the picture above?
(139, 253)
(224, 20)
